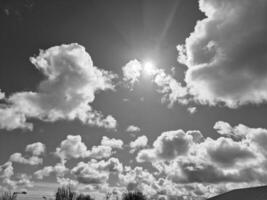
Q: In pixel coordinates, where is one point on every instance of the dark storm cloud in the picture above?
(226, 53)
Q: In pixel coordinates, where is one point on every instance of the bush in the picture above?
(8, 196)
(65, 193)
(84, 197)
(134, 196)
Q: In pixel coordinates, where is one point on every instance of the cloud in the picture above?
(192, 110)
(33, 160)
(132, 71)
(188, 157)
(112, 142)
(226, 53)
(167, 146)
(73, 147)
(6, 170)
(88, 173)
(2, 95)
(59, 169)
(169, 87)
(10, 180)
(133, 128)
(36, 149)
(71, 81)
(139, 143)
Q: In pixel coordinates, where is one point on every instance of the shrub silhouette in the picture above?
(65, 193)
(134, 196)
(8, 196)
(84, 197)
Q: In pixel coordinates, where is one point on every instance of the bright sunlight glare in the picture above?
(149, 68)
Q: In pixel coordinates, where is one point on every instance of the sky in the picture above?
(164, 97)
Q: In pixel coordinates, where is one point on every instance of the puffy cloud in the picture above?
(238, 156)
(227, 152)
(6, 170)
(71, 81)
(133, 128)
(36, 149)
(167, 146)
(171, 89)
(132, 71)
(10, 180)
(113, 143)
(227, 60)
(137, 179)
(33, 160)
(59, 169)
(46, 171)
(87, 174)
(192, 110)
(140, 142)
(99, 152)
(73, 147)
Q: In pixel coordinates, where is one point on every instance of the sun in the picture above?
(149, 68)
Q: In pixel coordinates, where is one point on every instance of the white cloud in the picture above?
(6, 170)
(36, 149)
(133, 128)
(171, 89)
(59, 169)
(226, 53)
(87, 174)
(73, 147)
(70, 86)
(33, 160)
(192, 110)
(167, 146)
(112, 142)
(2, 95)
(132, 71)
(139, 143)
(191, 158)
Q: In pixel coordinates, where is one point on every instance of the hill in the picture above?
(255, 193)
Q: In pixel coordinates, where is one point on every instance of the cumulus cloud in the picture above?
(139, 143)
(172, 91)
(188, 157)
(89, 173)
(133, 128)
(18, 157)
(73, 147)
(59, 170)
(71, 81)
(167, 146)
(112, 142)
(227, 60)
(36, 149)
(132, 71)
(10, 180)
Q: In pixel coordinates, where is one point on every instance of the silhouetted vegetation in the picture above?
(134, 196)
(8, 196)
(84, 197)
(65, 193)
